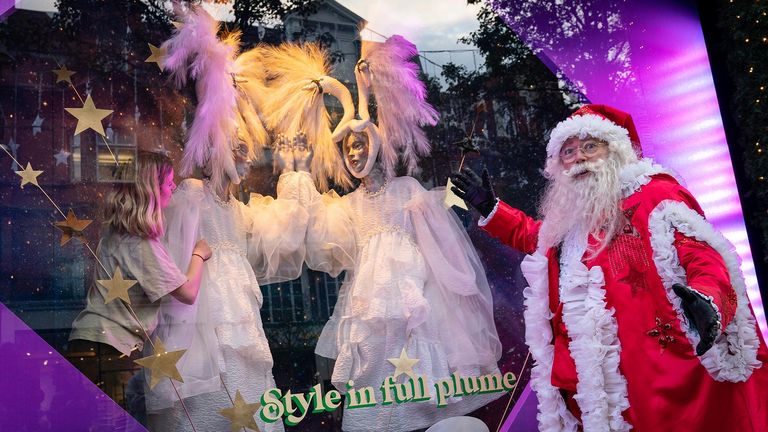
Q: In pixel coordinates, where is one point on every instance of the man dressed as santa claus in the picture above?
(636, 315)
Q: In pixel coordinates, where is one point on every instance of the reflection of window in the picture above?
(76, 170)
(325, 291)
(121, 148)
(310, 298)
(283, 302)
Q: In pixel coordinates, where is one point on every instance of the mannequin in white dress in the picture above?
(227, 350)
(413, 280)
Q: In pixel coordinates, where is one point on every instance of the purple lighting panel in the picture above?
(647, 58)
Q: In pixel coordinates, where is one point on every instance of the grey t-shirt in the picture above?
(141, 259)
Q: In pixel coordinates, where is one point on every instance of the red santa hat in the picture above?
(598, 121)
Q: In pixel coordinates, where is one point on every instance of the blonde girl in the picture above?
(131, 242)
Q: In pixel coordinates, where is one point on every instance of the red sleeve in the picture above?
(514, 228)
(706, 273)
(705, 269)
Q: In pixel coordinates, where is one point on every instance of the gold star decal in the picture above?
(117, 287)
(177, 25)
(404, 365)
(162, 363)
(72, 227)
(28, 175)
(451, 199)
(157, 56)
(89, 117)
(241, 414)
(63, 74)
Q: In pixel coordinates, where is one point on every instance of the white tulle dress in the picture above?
(222, 332)
(413, 281)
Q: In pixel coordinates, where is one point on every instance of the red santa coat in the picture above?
(616, 342)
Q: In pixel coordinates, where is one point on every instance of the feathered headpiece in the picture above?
(298, 76)
(226, 113)
(388, 70)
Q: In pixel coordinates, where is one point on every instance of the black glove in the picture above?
(475, 191)
(701, 314)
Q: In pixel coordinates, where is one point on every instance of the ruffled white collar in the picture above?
(633, 176)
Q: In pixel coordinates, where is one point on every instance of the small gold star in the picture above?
(89, 117)
(404, 365)
(63, 74)
(241, 414)
(157, 56)
(117, 287)
(72, 227)
(28, 175)
(451, 199)
(177, 25)
(161, 364)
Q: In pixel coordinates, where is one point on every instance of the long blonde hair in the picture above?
(133, 207)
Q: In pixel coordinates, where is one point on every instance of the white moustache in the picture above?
(581, 168)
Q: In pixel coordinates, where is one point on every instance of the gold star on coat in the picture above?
(63, 74)
(89, 117)
(72, 227)
(162, 364)
(157, 56)
(28, 175)
(241, 414)
(404, 365)
(177, 25)
(117, 287)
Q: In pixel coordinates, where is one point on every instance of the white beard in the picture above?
(582, 205)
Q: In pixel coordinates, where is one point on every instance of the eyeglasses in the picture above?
(589, 148)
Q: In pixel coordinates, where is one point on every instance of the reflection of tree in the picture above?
(562, 25)
(104, 39)
(510, 105)
(271, 12)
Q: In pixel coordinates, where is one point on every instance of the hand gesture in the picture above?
(302, 153)
(283, 152)
(700, 315)
(201, 248)
(475, 191)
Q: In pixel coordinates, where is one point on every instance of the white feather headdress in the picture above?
(226, 110)
(389, 71)
(296, 77)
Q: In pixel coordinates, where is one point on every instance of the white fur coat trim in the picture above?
(553, 415)
(734, 355)
(587, 125)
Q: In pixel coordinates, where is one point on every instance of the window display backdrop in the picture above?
(53, 65)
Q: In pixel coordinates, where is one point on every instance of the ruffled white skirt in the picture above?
(382, 309)
(242, 351)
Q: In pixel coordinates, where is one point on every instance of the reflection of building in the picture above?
(340, 27)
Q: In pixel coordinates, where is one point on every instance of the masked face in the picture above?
(242, 161)
(356, 153)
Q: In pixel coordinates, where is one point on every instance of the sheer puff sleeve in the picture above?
(456, 288)
(276, 231)
(330, 239)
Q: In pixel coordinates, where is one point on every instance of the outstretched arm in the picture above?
(510, 225)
